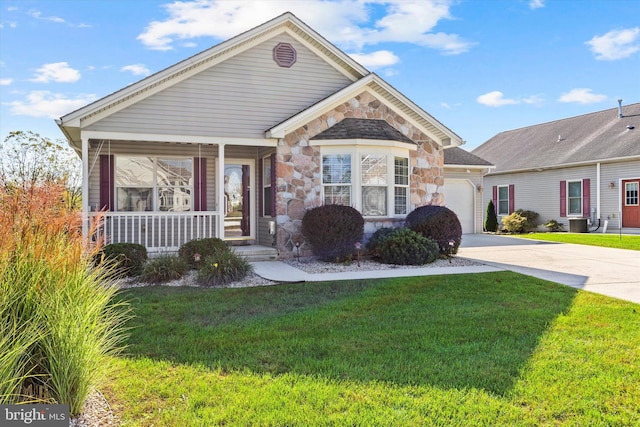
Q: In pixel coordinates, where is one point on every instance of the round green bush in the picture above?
(127, 259)
(406, 247)
(223, 268)
(377, 238)
(209, 246)
(164, 268)
(332, 231)
(438, 223)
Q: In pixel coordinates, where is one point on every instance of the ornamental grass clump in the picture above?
(223, 268)
(59, 322)
(164, 268)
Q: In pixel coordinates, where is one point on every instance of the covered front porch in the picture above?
(162, 191)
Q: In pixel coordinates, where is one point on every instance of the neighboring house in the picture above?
(238, 141)
(581, 167)
(463, 183)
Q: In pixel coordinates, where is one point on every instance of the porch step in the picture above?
(256, 252)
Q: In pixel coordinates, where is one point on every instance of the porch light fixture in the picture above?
(612, 184)
(479, 188)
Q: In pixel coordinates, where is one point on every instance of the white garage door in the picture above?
(458, 196)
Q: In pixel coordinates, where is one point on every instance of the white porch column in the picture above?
(85, 187)
(220, 191)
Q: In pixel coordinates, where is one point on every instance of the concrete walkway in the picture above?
(611, 272)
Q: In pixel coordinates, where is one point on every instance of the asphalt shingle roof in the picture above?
(591, 137)
(352, 128)
(458, 156)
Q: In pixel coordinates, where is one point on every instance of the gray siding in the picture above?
(240, 97)
(540, 191)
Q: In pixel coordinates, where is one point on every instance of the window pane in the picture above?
(336, 169)
(337, 195)
(575, 189)
(134, 171)
(266, 171)
(174, 199)
(575, 205)
(401, 171)
(400, 195)
(134, 199)
(174, 172)
(631, 190)
(503, 207)
(374, 201)
(374, 170)
(503, 193)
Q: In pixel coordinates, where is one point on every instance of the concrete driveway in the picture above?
(611, 272)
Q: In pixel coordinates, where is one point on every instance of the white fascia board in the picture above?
(568, 165)
(449, 166)
(185, 139)
(363, 142)
(348, 92)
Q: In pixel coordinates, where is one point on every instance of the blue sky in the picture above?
(478, 66)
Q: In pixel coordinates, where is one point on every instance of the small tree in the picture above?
(491, 219)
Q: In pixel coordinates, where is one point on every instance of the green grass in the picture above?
(485, 349)
(592, 239)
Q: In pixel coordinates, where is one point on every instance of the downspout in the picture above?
(598, 190)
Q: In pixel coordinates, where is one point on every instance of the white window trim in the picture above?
(637, 183)
(357, 151)
(498, 200)
(266, 183)
(569, 213)
(154, 187)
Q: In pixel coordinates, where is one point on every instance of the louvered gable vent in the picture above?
(284, 54)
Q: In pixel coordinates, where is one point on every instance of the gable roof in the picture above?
(456, 156)
(588, 138)
(352, 128)
(287, 22)
(381, 90)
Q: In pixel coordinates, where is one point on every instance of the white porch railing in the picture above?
(157, 231)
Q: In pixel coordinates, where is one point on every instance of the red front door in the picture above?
(631, 203)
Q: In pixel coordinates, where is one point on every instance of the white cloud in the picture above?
(378, 59)
(347, 23)
(136, 69)
(5, 82)
(581, 96)
(48, 104)
(495, 99)
(533, 100)
(536, 4)
(616, 44)
(38, 15)
(56, 72)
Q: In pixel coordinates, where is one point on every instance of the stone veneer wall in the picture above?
(298, 174)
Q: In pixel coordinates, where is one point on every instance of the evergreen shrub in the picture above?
(491, 219)
(438, 223)
(519, 221)
(127, 258)
(406, 247)
(209, 246)
(332, 231)
(376, 238)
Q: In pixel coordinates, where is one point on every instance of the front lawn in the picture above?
(593, 239)
(484, 349)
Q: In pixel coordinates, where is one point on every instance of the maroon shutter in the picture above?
(495, 198)
(200, 184)
(106, 182)
(246, 202)
(512, 201)
(586, 197)
(563, 198)
(273, 185)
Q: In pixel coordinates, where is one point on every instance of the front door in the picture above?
(239, 211)
(631, 203)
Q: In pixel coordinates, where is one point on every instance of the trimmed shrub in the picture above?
(164, 268)
(374, 241)
(491, 221)
(210, 246)
(406, 247)
(519, 221)
(554, 225)
(127, 258)
(332, 231)
(438, 223)
(223, 268)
